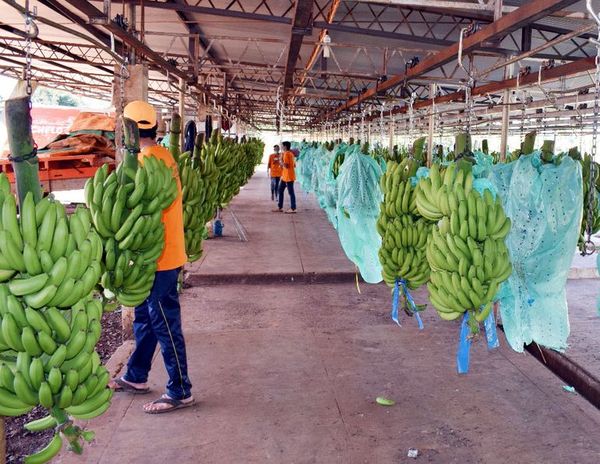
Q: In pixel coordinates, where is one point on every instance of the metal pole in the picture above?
(497, 9)
(182, 88)
(132, 24)
(432, 90)
(505, 114)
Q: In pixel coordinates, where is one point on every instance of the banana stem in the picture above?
(22, 148)
(196, 158)
(60, 416)
(462, 144)
(131, 135)
(175, 136)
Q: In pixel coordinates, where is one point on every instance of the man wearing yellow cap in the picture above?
(158, 319)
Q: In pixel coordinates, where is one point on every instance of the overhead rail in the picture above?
(526, 14)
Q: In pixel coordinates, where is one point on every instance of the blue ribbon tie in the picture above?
(395, 304)
(409, 299)
(490, 331)
(464, 346)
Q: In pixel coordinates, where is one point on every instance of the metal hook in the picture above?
(588, 5)
(547, 94)
(460, 53)
(29, 21)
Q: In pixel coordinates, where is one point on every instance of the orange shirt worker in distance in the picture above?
(288, 176)
(158, 319)
(274, 171)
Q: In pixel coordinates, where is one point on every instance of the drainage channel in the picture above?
(574, 375)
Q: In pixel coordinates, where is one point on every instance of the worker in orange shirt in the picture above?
(274, 171)
(158, 319)
(288, 176)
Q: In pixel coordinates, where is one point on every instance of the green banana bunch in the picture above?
(466, 252)
(193, 195)
(211, 178)
(209, 182)
(595, 225)
(126, 207)
(234, 164)
(49, 321)
(337, 164)
(403, 231)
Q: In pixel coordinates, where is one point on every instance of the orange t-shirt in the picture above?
(173, 255)
(288, 174)
(275, 165)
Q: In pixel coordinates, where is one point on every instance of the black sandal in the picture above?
(126, 387)
(173, 403)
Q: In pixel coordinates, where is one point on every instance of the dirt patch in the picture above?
(20, 442)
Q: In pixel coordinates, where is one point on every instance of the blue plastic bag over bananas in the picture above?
(359, 197)
(329, 186)
(126, 207)
(49, 321)
(403, 231)
(544, 202)
(467, 253)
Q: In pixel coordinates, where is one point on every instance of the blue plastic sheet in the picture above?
(359, 199)
(544, 202)
(351, 201)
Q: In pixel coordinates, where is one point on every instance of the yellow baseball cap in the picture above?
(141, 112)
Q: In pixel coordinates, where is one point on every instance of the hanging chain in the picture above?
(123, 75)
(589, 245)
(523, 114)
(411, 115)
(469, 104)
(29, 16)
(381, 125)
(362, 126)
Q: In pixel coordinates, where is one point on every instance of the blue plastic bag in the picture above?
(544, 202)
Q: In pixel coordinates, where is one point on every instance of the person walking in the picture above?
(288, 176)
(274, 171)
(158, 319)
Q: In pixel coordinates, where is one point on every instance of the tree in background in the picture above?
(44, 96)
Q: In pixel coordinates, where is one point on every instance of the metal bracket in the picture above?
(302, 30)
(105, 17)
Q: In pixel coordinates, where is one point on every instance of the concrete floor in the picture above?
(584, 343)
(288, 372)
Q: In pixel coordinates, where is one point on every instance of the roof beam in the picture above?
(204, 10)
(300, 27)
(442, 4)
(526, 14)
(582, 65)
(91, 11)
(421, 39)
(315, 53)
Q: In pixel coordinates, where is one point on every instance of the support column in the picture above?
(132, 22)
(432, 90)
(182, 87)
(135, 88)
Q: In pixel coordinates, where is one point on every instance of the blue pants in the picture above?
(274, 187)
(290, 188)
(158, 320)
